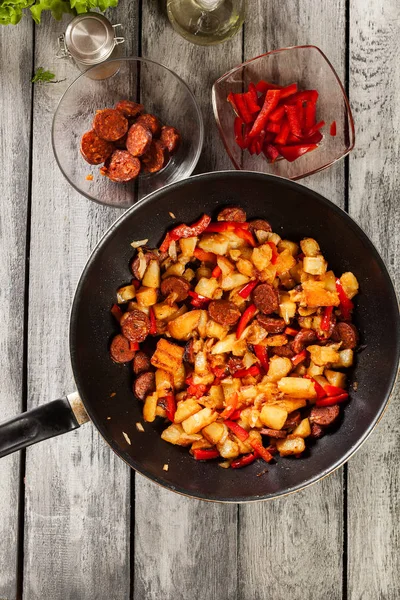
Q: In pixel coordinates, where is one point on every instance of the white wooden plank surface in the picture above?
(185, 548)
(15, 120)
(292, 547)
(77, 520)
(374, 474)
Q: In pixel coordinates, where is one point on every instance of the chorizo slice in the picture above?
(171, 138)
(135, 326)
(141, 363)
(316, 431)
(129, 108)
(292, 421)
(95, 150)
(266, 298)
(234, 364)
(151, 122)
(121, 167)
(324, 415)
(139, 139)
(144, 385)
(135, 264)
(155, 158)
(302, 339)
(273, 433)
(179, 286)
(189, 355)
(347, 334)
(224, 312)
(261, 225)
(232, 213)
(120, 349)
(110, 124)
(285, 351)
(271, 324)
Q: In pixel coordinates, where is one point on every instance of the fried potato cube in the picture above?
(292, 247)
(182, 327)
(329, 281)
(275, 340)
(314, 370)
(225, 345)
(163, 311)
(175, 269)
(323, 355)
(273, 416)
(292, 404)
(350, 284)
(233, 280)
(285, 262)
(297, 387)
(186, 409)
(303, 429)
(152, 275)
(214, 242)
(199, 420)
(189, 274)
(179, 377)
(305, 322)
(215, 330)
(315, 265)
(287, 308)
(310, 247)
(279, 366)
(216, 394)
(206, 287)
(316, 295)
(146, 296)
(167, 356)
(268, 274)
(261, 257)
(126, 293)
(245, 267)
(174, 434)
(335, 378)
(214, 432)
(201, 445)
(228, 449)
(188, 245)
(290, 446)
(345, 359)
(164, 382)
(225, 265)
(149, 408)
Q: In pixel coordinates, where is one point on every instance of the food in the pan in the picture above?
(238, 338)
(128, 141)
(278, 121)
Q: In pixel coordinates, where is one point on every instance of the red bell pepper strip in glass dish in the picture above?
(247, 289)
(346, 305)
(185, 231)
(170, 407)
(304, 96)
(116, 312)
(292, 153)
(332, 400)
(253, 371)
(253, 91)
(251, 102)
(247, 459)
(244, 112)
(332, 129)
(300, 357)
(277, 115)
(238, 128)
(283, 135)
(315, 128)
(289, 90)
(262, 355)
(241, 433)
(292, 113)
(311, 113)
(275, 253)
(204, 256)
(263, 86)
(232, 102)
(271, 102)
(261, 451)
(273, 127)
(153, 323)
(271, 152)
(206, 454)
(326, 318)
(199, 301)
(231, 406)
(245, 319)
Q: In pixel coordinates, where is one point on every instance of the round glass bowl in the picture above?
(163, 94)
(310, 69)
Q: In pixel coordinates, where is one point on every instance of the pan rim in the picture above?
(354, 447)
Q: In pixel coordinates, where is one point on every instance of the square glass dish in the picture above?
(310, 69)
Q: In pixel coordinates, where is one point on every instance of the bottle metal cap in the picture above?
(90, 38)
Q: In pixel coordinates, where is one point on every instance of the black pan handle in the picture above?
(46, 421)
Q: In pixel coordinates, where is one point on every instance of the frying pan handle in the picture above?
(46, 421)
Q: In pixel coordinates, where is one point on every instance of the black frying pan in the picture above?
(105, 388)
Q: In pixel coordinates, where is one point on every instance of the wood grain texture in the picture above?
(15, 122)
(77, 520)
(283, 542)
(184, 547)
(374, 475)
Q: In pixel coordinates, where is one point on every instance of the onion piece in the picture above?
(138, 243)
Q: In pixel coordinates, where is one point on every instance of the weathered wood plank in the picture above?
(281, 542)
(172, 532)
(77, 520)
(373, 474)
(15, 121)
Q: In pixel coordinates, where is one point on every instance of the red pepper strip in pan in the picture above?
(232, 102)
(332, 129)
(245, 319)
(253, 371)
(244, 112)
(153, 324)
(136, 284)
(275, 253)
(251, 102)
(291, 153)
(235, 415)
(116, 312)
(197, 390)
(238, 127)
(326, 319)
(333, 390)
(241, 433)
(332, 400)
(277, 115)
(246, 235)
(291, 331)
(185, 231)
(318, 387)
(261, 451)
(216, 272)
(294, 120)
(205, 454)
(263, 86)
(304, 96)
(298, 358)
(274, 127)
(289, 90)
(171, 407)
(311, 112)
(243, 461)
(283, 135)
(346, 305)
(221, 226)
(134, 346)
(271, 102)
(262, 355)
(198, 301)
(271, 152)
(247, 289)
(315, 128)
(205, 256)
(232, 403)
(219, 372)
